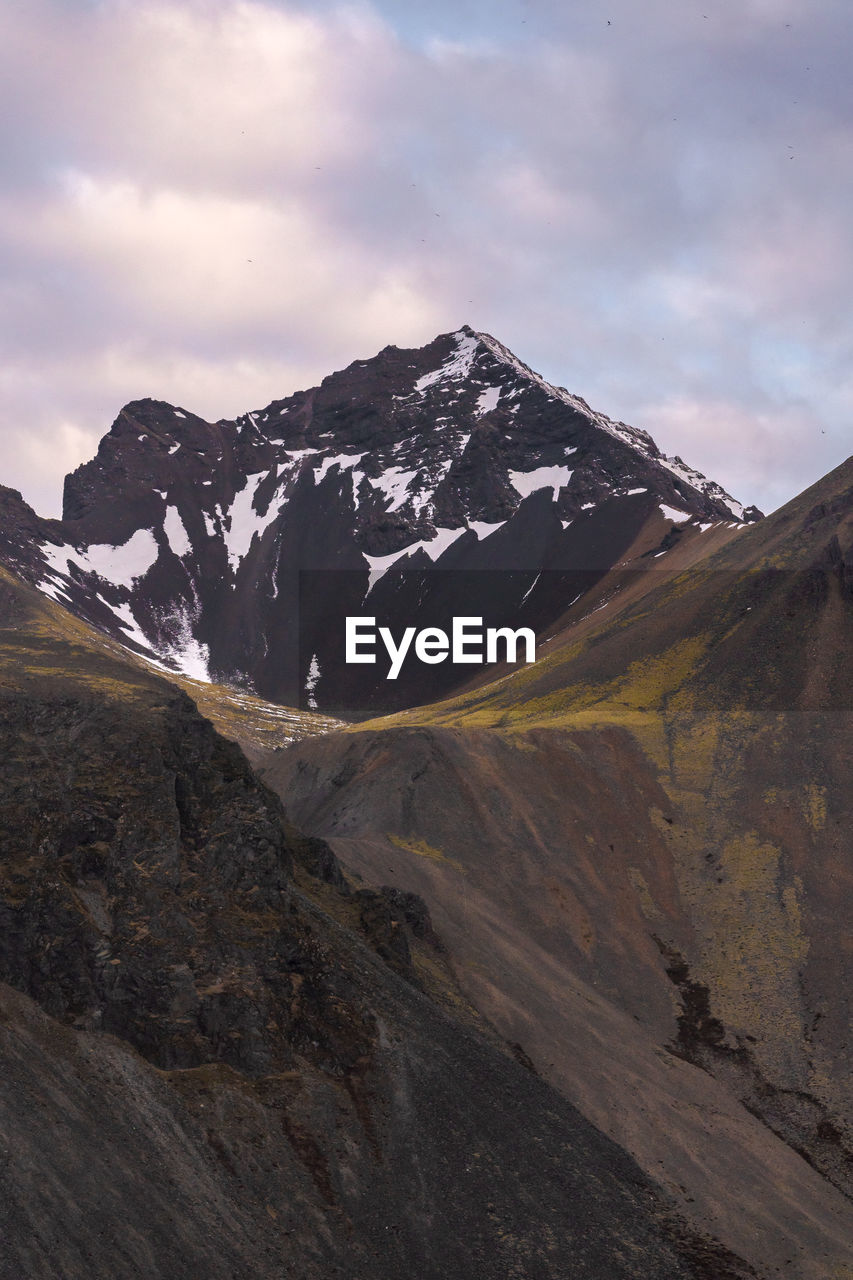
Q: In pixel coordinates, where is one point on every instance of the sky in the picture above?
(218, 202)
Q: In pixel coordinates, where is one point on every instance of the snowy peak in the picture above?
(481, 357)
(420, 428)
(186, 539)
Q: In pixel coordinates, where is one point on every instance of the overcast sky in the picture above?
(218, 202)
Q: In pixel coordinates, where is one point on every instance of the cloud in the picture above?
(757, 448)
(219, 202)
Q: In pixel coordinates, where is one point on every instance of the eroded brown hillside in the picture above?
(638, 851)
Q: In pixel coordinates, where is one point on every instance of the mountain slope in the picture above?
(636, 850)
(204, 1072)
(189, 538)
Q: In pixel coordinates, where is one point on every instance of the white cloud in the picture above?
(37, 460)
(219, 202)
(197, 264)
(751, 450)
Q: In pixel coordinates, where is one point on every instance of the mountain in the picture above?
(236, 549)
(220, 1058)
(546, 976)
(637, 853)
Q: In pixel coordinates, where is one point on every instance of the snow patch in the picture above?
(530, 588)
(128, 623)
(434, 547)
(178, 413)
(187, 653)
(455, 367)
(174, 448)
(483, 529)
(55, 591)
(673, 514)
(314, 674)
(121, 565)
(443, 539)
(357, 477)
(697, 480)
(345, 461)
(176, 533)
(296, 455)
(394, 484)
(379, 565)
(244, 521)
(488, 400)
(527, 482)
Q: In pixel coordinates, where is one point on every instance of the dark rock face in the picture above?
(188, 538)
(113, 881)
(202, 1073)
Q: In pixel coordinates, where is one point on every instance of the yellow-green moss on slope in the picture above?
(755, 944)
(422, 850)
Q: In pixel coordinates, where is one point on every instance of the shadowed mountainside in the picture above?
(218, 1059)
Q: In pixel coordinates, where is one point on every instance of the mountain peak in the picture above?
(479, 353)
(187, 537)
